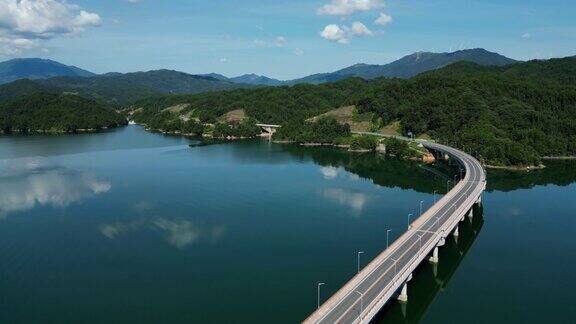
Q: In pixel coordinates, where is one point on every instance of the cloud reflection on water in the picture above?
(179, 233)
(355, 200)
(331, 173)
(25, 183)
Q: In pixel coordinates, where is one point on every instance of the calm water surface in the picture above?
(128, 226)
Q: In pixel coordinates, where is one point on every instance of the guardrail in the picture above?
(466, 193)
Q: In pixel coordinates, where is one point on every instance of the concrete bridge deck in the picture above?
(387, 276)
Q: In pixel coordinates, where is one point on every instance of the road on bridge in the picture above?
(359, 300)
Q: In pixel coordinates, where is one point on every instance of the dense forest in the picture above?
(58, 113)
(324, 131)
(512, 115)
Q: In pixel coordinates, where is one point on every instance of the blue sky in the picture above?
(277, 38)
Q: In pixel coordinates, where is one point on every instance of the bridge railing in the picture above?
(418, 256)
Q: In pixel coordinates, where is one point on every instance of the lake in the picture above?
(130, 226)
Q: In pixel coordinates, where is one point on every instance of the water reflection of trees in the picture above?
(386, 172)
(389, 172)
(560, 173)
(430, 279)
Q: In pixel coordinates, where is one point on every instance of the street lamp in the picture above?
(447, 183)
(387, 237)
(361, 304)
(319, 285)
(359, 252)
(421, 202)
(434, 197)
(409, 215)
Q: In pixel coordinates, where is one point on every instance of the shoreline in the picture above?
(569, 157)
(60, 132)
(515, 168)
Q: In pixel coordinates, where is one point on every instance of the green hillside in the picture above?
(502, 115)
(56, 113)
(121, 89)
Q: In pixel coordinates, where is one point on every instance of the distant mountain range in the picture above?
(406, 67)
(252, 79)
(35, 68)
(409, 66)
(122, 89)
(119, 88)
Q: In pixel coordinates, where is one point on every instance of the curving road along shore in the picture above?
(359, 300)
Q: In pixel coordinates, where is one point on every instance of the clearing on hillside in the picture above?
(349, 115)
(233, 116)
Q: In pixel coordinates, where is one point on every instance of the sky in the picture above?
(277, 38)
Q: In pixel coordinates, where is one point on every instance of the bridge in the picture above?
(387, 276)
(268, 129)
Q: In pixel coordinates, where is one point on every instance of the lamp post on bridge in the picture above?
(409, 215)
(359, 253)
(421, 202)
(434, 197)
(319, 285)
(447, 183)
(387, 237)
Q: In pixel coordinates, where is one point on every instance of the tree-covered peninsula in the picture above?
(56, 113)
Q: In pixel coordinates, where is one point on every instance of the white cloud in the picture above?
(14, 46)
(343, 34)
(334, 33)
(383, 19)
(38, 20)
(260, 43)
(359, 29)
(348, 7)
(223, 60)
(526, 36)
(298, 52)
(279, 41)
(133, 1)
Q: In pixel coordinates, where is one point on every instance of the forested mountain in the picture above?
(253, 79)
(406, 67)
(503, 115)
(256, 80)
(35, 68)
(48, 112)
(409, 66)
(120, 89)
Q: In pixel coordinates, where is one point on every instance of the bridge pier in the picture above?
(479, 201)
(434, 257)
(445, 222)
(403, 297)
